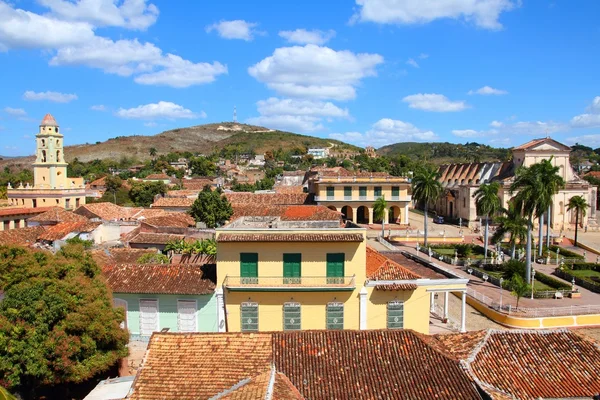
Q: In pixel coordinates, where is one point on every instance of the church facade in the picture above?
(51, 186)
(460, 181)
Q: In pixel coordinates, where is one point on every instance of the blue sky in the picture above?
(370, 72)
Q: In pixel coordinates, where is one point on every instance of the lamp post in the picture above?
(532, 281)
(501, 282)
(485, 278)
(557, 254)
(470, 271)
(573, 284)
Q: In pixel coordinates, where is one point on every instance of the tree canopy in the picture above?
(211, 208)
(57, 321)
(142, 193)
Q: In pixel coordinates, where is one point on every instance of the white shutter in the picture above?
(186, 315)
(148, 316)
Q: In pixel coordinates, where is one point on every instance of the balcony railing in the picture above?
(289, 284)
(363, 198)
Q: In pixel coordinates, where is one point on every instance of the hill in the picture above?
(196, 139)
(443, 153)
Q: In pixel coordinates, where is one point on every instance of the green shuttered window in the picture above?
(249, 315)
(249, 267)
(377, 191)
(330, 192)
(362, 191)
(291, 316)
(292, 268)
(335, 316)
(395, 191)
(395, 315)
(335, 268)
(348, 192)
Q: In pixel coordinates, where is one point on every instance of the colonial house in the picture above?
(51, 186)
(298, 268)
(15, 218)
(176, 297)
(354, 193)
(460, 181)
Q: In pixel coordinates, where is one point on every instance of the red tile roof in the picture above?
(258, 388)
(48, 121)
(99, 182)
(381, 268)
(531, 364)
(180, 220)
(116, 256)
(290, 237)
(536, 142)
(196, 184)
(105, 211)
(154, 238)
(183, 193)
(56, 215)
(60, 230)
(267, 198)
(289, 189)
(173, 202)
(286, 212)
(199, 366)
(161, 278)
(21, 236)
(161, 177)
(594, 174)
(6, 212)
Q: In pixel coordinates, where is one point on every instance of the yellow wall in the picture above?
(44, 201)
(416, 308)
(386, 190)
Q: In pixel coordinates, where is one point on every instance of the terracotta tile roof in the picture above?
(594, 174)
(267, 198)
(257, 388)
(294, 173)
(290, 237)
(284, 389)
(375, 364)
(161, 278)
(5, 212)
(99, 182)
(183, 193)
(175, 219)
(48, 121)
(140, 214)
(167, 202)
(196, 184)
(56, 215)
(105, 211)
(535, 142)
(60, 230)
(415, 267)
(115, 256)
(158, 177)
(199, 366)
(381, 268)
(21, 236)
(154, 238)
(531, 364)
(289, 189)
(286, 212)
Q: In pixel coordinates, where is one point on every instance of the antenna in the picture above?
(234, 114)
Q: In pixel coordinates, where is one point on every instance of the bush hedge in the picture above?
(590, 266)
(565, 253)
(552, 282)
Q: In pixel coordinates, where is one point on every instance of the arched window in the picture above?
(57, 155)
(43, 155)
(43, 142)
(561, 206)
(57, 142)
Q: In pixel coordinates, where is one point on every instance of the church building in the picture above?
(51, 186)
(460, 181)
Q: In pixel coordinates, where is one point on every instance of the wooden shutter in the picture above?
(249, 267)
(148, 316)
(395, 315)
(395, 191)
(186, 316)
(362, 191)
(291, 317)
(249, 316)
(335, 316)
(292, 268)
(335, 268)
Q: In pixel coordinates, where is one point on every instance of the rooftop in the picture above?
(381, 268)
(22, 236)
(48, 121)
(116, 256)
(161, 177)
(7, 212)
(178, 202)
(286, 212)
(56, 215)
(267, 198)
(290, 237)
(179, 220)
(161, 278)
(154, 238)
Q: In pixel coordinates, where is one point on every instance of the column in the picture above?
(463, 313)
(370, 215)
(354, 214)
(386, 216)
(220, 310)
(431, 302)
(11, 224)
(22, 223)
(445, 305)
(405, 222)
(363, 308)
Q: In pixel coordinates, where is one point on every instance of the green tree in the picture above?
(551, 183)
(519, 287)
(202, 166)
(142, 193)
(580, 205)
(512, 223)
(153, 258)
(513, 267)
(426, 189)
(487, 203)
(152, 151)
(211, 208)
(57, 320)
(379, 209)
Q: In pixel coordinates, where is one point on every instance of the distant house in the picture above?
(55, 216)
(177, 297)
(258, 160)
(252, 175)
(180, 164)
(318, 153)
(178, 204)
(164, 178)
(14, 218)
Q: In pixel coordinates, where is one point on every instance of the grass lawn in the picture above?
(537, 285)
(584, 273)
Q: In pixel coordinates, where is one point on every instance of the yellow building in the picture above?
(276, 273)
(353, 194)
(51, 186)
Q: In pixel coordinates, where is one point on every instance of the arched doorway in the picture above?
(348, 213)
(451, 209)
(362, 215)
(332, 208)
(394, 216)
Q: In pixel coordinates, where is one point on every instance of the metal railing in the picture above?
(289, 282)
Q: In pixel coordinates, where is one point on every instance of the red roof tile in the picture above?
(161, 278)
(21, 236)
(196, 184)
(180, 220)
(48, 121)
(99, 182)
(116, 256)
(5, 212)
(154, 238)
(267, 198)
(105, 211)
(161, 177)
(286, 212)
(56, 215)
(381, 268)
(290, 237)
(60, 230)
(183, 193)
(173, 202)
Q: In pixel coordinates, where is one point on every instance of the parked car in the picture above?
(438, 219)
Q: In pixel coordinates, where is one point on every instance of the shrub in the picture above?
(153, 258)
(512, 268)
(87, 244)
(552, 282)
(566, 253)
(590, 266)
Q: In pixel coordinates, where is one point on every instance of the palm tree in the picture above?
(519, 287)
(426, 189)
(578, 204)
(512, 223)
(379, 208)
(551, 183)
(487, 203)
(153, 151)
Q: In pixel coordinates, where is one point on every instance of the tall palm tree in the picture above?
(512, 223)
(580, 205)
(379, 208)
(487, 203)
(426, 189)
(551, 183)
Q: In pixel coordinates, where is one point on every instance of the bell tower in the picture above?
(49, 168)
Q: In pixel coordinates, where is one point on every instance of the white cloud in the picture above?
(132, 14)
(150, 124)
(237, 29)
(56, 97)
(535, 127)
(423, 56)
(302, 36)
(15, 112)
(496, 124)
(314, 71)
(595, 106)
(24, 29)
(387, 131)
(145, 60)
(434, 102)
(591, 119)
(487, 91)
(160, 110)
(483, 13)
(412, 63)
(98, 107)
(588, 140)
(296, 115)
(466, 133)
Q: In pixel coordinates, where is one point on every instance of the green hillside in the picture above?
(443, 153)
